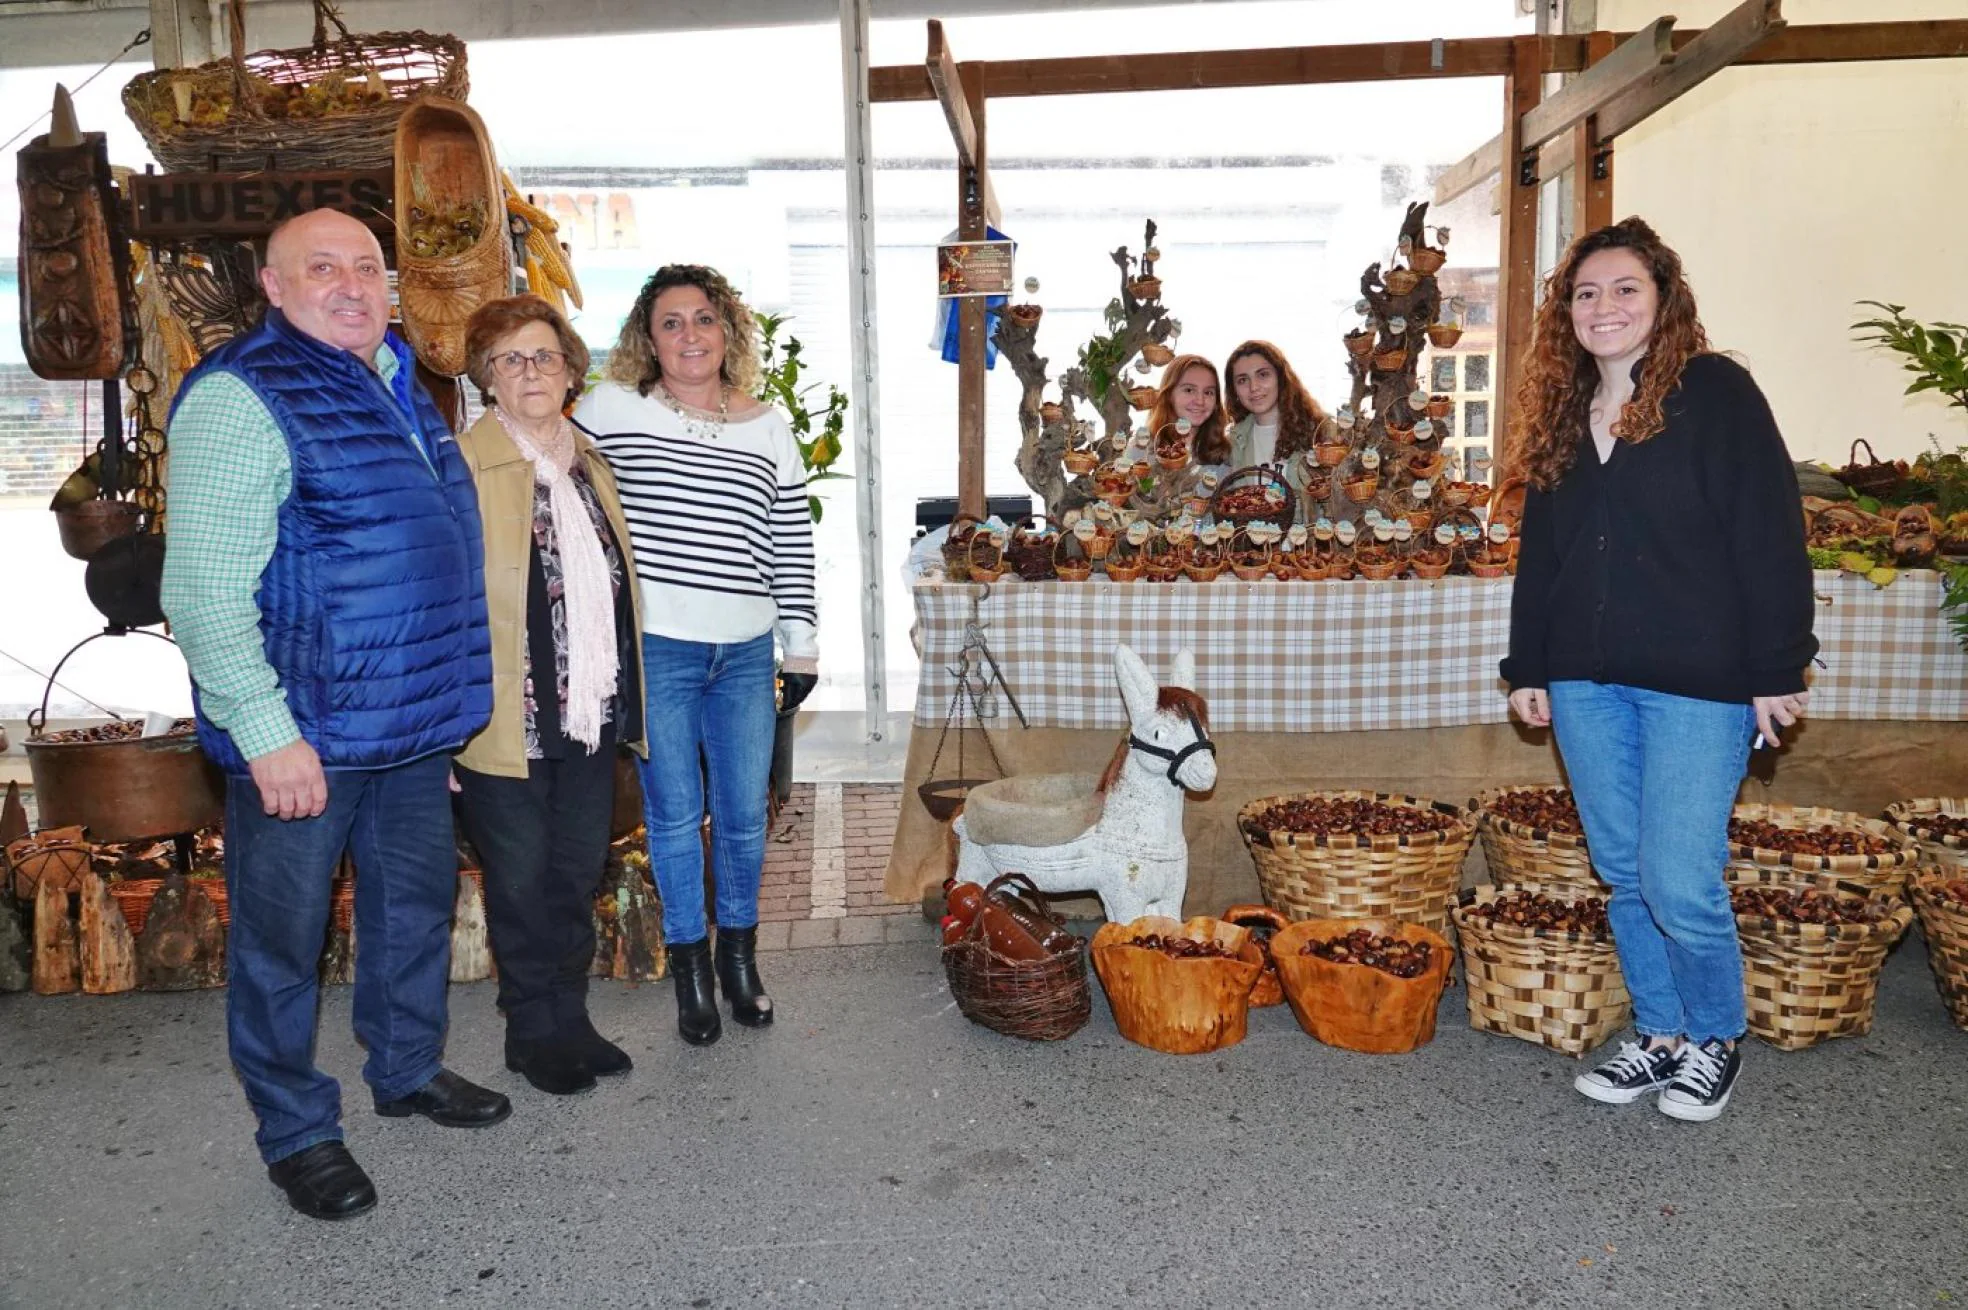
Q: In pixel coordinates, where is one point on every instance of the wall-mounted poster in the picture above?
(974, 268)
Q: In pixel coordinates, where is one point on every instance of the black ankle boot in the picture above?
(697, 1010)
(551, 1064)
(738, 975)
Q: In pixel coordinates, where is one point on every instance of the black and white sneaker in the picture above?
(1630, 1075)
(1702, 1084)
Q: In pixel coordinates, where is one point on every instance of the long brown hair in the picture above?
(1299, 415)
(1210, 442)
(1554, 397)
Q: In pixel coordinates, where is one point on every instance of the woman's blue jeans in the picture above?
(1655, 778)
(717, 700)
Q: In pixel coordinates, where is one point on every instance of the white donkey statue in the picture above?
(1133, 854)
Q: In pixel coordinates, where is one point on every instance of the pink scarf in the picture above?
(592, 665)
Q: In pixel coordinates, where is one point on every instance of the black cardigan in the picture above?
(1679, 564)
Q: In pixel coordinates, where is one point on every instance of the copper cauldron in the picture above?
(126, 790)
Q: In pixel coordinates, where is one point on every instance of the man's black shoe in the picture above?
(553, 1065)
(324, 1182)
(451, 1101)
(603, 1057)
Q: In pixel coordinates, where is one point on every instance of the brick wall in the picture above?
(42, 436)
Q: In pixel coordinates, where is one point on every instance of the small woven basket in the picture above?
(134, 896)
(1407, 877)
(1805, 983)
(1884, 873)
(1532, 859)
(1563, 990)
(1944, 923)
(245, 135)
(1039, 1000)
(1942, 849)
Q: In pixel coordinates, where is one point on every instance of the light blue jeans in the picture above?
(1655, 778)
(717, 700)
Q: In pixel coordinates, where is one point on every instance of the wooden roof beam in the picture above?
(1634, 61)
(946, 81)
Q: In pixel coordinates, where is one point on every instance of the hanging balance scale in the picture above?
(975, 672)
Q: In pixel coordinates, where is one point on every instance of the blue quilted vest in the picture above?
(372, 608)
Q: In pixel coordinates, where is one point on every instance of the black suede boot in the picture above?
(551, 1064)
(697, 1010)
(737, 971)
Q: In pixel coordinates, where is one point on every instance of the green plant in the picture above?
(1954, 600)
(1101, 356)
(780, 367)
(1936, 353)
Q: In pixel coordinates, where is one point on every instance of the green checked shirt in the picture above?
(229, 475)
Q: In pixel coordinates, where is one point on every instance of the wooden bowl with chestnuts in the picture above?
(1370, 985)
(1178, 988)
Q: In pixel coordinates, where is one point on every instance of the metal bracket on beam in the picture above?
(1527, 168)
(1602, 164)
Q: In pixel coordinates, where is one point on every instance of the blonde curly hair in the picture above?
(633, 360)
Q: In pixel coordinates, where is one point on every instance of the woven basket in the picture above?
(1040, 1000)
(1520, 856)
(1176, 1006)
(443, 154)
(1943, 850)
(1944, 923)
(1410, 878)
(245, 136)
(1355, 1007)
(1886, 873)
(1805, 983)
(134, 896)
(1563, 990)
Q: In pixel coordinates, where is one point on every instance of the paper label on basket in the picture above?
(1499, 533)
(1345, 532)
(1370, 459)
(1417, 398)
(1322, 528)
(1137, 532)
(1423, 488)
(1210, 535)
(1397, 325)
(1383, 532)
(1445, 534)
(1403, 530)
(1103, 512)
(1070, 519)
(157, 725)
(1372, 517)
(1086, 529)
(1424, 430)
(1297, 535)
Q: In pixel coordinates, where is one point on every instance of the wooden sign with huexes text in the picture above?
(184, 206)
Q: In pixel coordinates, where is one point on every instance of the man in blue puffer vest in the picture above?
(324, 579)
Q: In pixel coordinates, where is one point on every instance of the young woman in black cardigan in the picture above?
(1661, 620)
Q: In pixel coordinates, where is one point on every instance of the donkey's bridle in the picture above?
(1177, 759)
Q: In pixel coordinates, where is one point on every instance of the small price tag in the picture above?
(1445, 534)
(1086, 529)
(1322, 528)
(1403, 530)
(1137, 532)
(1423, 489)
(1370, 459)
(1383, 532)
(1372, 517)
(1424, 429)
(1499, 533)
(1417, 398)
(1345, 532)
(1296, 536)
(1397, 325)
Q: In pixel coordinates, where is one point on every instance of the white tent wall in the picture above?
(1792, 192)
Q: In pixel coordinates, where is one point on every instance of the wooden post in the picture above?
(1592, 168)
(471, 948)
(971, 373)
(1517, 255)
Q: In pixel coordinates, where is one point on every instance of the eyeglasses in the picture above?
(549, 363)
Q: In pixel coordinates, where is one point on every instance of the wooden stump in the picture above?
(16, 949)
(109, 952)
(57, 964)
(629, 926)
(338, 957)
(182, 946)
(471, 951)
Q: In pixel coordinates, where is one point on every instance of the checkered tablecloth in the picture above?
(1354, 656)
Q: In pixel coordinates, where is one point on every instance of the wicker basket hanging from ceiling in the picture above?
(332, 104)
(452, 251)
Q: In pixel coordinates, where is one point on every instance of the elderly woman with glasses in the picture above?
(537, 785)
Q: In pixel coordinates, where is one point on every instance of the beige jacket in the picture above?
(504, 478)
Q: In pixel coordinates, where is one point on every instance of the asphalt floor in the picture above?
(875, 1149)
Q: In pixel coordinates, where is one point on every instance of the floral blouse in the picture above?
(546, 623)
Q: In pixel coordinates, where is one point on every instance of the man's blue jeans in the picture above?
(1655, 778)
(397, 824)
(716, 699)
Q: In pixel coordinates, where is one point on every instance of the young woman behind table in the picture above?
(1273, 416)
(1661, 618)
(714, 492)
(1190, 391)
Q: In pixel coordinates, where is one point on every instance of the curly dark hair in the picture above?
(633, 361)
(1299, 414)
(1554, 396)
(1210, 442)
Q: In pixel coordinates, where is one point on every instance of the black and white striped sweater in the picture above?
(722, 534)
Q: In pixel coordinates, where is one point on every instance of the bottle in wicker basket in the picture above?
(1014, 968)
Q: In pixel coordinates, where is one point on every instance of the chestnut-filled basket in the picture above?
(1805, 983)
(1356, 1007)
(1178, 1006)
(1283, 499)
(1534, 859)
(1885, 873)
(1409, 877)
(1944, 923)
(1935, 847)
(1040, 1000)
(1563, 990)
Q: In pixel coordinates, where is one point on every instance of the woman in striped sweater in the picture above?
(714, 492)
